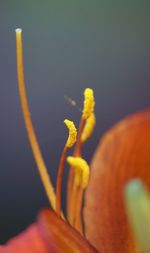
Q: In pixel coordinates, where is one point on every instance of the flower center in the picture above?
(79, 171)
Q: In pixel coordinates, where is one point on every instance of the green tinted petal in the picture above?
(137, 201)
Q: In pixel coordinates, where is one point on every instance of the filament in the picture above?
(59, 180)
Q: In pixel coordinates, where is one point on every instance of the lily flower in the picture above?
(99, 218)
(53, 232)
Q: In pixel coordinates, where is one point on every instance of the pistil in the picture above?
(29, 126)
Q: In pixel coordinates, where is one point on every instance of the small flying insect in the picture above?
(72, 102)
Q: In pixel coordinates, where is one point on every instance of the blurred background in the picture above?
(68, 46)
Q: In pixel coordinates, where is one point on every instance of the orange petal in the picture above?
(63, 237)
(29, 241)
(51, 234)
(123, 154)
(3, 250)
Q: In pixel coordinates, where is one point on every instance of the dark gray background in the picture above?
(68, 45)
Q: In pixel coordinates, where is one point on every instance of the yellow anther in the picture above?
(89, 127)
(81, 170)
(72, 133)
(89, 103)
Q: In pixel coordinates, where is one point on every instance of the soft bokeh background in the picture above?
(68, 45)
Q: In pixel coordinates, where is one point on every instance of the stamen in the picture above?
(74, 193)
(28, 124)
(81, 178)
(70, 142)
(81, 171)
(89, 103)
(89, 127)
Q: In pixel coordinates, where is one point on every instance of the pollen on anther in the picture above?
(89, 103)
(89, 127)
(72, 133)
(81, 168)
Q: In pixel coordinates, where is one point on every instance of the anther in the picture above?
(89, 103)
(81, 171)
(72, 133)
(88, 128)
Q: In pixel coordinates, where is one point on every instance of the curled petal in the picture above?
(64, 238)
(50, 234)
(3, 250)
(29, 241)
(123, 154)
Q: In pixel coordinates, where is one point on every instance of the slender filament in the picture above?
(59, 180)
(72, 198)
(29, 126)
(78, 218)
